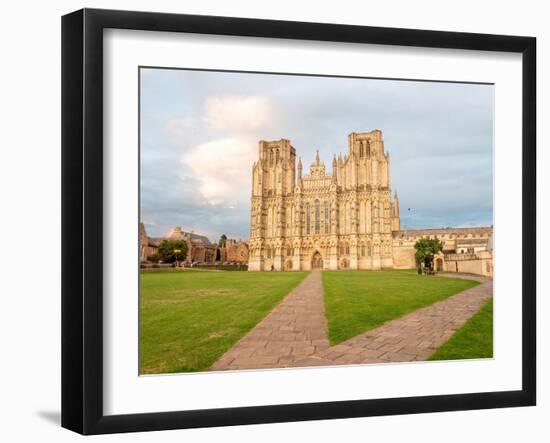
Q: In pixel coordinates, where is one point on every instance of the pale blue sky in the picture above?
(199, 134)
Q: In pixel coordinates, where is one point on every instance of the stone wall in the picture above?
(234, 252)
(480, 263)
(403, 257)
(454, 240)
(237, 251)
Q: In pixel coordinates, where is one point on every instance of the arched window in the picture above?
(308, 220)
(327, 223)
(317, 217)
(369, 251)
(277, 156)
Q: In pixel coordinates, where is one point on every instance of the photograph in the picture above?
(275, 223)
(297, 220)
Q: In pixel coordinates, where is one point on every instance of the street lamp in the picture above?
(176, 252)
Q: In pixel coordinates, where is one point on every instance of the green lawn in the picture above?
(356, 301)
(473, 340)
(189, 318)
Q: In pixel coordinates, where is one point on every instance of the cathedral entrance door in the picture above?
(317, 261)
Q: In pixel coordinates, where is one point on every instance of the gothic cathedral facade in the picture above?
(341, 220)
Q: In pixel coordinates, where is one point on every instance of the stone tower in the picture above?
(273, 181)
(395, 220)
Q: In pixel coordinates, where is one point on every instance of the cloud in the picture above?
(180, 128)
(238, 113)
(223, 168)
(200, 133)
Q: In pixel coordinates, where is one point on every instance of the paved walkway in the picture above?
(294, 334)
(413, 337)
(296, 328)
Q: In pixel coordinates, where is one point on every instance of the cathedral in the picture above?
(342, 219)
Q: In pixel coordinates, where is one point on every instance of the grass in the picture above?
(189, 318)
(357, 301)
(473, 340)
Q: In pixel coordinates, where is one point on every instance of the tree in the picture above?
(171, 251)
(426, 249)
(154, 258)
(223, 240)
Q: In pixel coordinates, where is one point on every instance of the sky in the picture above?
(200, 132)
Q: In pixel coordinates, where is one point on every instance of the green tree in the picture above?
(223, 240)
(154, 258)
(426, 249)
(171, 251)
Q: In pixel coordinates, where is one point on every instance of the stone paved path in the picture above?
(413, 337)
(294, 334)
(295, 329)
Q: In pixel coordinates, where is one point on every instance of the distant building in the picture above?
(147, 247)
(235, 251)
(468, 250)
(199, 247)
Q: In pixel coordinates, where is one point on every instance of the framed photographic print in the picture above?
(269, 221)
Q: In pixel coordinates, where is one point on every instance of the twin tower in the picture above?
(338, 220)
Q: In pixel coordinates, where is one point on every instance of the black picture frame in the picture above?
(82, 219)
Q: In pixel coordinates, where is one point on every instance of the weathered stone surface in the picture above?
(295, 329)
(298, 221)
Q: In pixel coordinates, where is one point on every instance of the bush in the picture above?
(154, 258)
